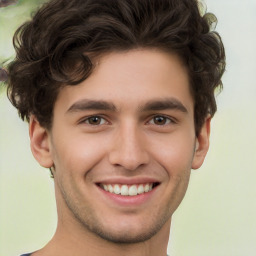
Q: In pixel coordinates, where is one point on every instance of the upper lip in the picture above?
(128, 181)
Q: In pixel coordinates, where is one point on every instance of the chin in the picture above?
(128, 231)
(127, 236)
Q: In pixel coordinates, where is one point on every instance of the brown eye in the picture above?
(95, 120)
(160, 120)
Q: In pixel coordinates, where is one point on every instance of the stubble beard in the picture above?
(93, 225)
(87, 219)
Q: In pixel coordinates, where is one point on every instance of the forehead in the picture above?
(132, 78)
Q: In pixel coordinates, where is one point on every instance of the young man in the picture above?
(119, 95)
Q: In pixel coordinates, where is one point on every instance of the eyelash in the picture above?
(166, 118)
(86, 120)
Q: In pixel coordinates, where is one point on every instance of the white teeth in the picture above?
(117, 189)
(146, 188)
(124, 190)
(110, 189)
(140, 189)
(133, 190)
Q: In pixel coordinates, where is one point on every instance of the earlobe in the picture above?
(40, 143)
(202, 144)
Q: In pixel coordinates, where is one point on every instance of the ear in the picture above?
(40, 143)
(202, 144)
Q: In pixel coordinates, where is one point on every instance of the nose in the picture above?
(129, 149)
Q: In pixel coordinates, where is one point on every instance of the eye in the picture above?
(160, 120)
(95, 120)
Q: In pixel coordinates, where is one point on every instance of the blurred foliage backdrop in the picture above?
(217, 216)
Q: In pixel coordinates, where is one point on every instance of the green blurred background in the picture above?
(218, 214)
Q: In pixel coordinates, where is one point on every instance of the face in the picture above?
(123, 144)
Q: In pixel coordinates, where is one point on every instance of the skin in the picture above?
(144, 133)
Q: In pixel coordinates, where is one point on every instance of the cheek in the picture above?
(77, 155)
(174, 153)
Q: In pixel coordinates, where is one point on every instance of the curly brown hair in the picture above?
(56, 48)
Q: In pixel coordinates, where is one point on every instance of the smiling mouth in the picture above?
(128, 190)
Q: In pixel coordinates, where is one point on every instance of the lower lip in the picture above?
(128, 200)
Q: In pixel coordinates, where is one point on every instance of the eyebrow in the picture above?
(86, 104)
(164, 104)
(153, 105)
